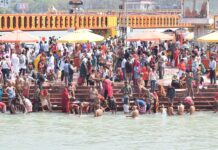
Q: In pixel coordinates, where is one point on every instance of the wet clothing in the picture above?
(66, 101)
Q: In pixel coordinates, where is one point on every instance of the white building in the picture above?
(142, 5)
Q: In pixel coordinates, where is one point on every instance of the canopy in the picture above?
(212, 37)
(18, 36)
(80, 36)
(149, 36)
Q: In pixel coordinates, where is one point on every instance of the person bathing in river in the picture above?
(84, 107)
(134, 113)
(98, 111)
(192, 109)
(163, 110)
(28, 105)
(170, 110)
(181, 109)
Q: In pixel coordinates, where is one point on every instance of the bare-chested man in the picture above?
(134, 113)
(192, 109)
(181, 109)
(170, 110)
(98, 111)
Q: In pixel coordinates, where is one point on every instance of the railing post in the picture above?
(48, 22)
(58, 21)
(22, 23)
(5, 22)
(33, 22)
(43, 22)
(53, 26)
(11, 23)
(28, 22)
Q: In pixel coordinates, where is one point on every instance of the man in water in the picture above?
(192, 109)
(134, 113)
(181, 109)
(98, 111)
(170, 110)
(163, 109)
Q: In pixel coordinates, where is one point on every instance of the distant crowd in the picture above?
(139, 66)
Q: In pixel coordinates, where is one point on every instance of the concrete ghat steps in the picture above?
(203, 101)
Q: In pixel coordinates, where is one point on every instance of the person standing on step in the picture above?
(171, 93)
(128, 67)
(145, 74)
(189, 85)
(198, 79)
(212, 66)
(66, 72)
(83, 71)
(127, 93)
(123, 66)
(153, 79)
(23, 62)
(107, 87)
(66, 106)
(71, 71)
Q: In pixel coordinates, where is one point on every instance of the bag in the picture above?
(80, 81)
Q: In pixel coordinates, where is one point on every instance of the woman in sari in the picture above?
(66, 106)
(176, 57)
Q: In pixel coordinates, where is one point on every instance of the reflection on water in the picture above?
(52, 131)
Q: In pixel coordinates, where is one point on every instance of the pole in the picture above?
(127, 20)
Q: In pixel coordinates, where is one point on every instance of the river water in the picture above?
(55, 131)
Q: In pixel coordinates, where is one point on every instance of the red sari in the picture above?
(176, 57)
(66, 107)
(107, 86)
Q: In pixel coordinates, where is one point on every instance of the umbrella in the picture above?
(212, 37)
(149, 36)
(18, 36)
(81, 36)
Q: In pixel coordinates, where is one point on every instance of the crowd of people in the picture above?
(139, 66)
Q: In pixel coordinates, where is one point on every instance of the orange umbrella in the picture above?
(18, 36)
(149, 36)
